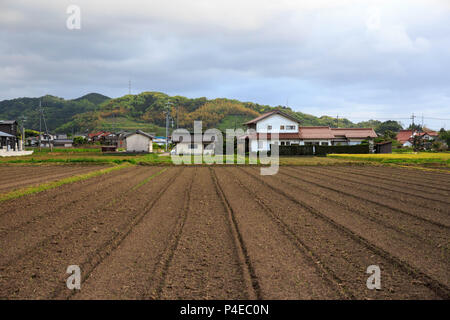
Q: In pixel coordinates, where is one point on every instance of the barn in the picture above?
(139, 141)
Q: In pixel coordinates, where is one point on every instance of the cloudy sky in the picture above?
(360, 59)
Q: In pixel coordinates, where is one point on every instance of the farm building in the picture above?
(190, 145)
(290, 132)
(383, 147)
(138, 141)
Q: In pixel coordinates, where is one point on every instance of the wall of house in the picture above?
(185, 148)
(319, 141)
(139, 143)
(276, 121)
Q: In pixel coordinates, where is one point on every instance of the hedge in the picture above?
(309, 150)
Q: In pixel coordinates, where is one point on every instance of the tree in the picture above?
(445, 136)
(389, 125)
(79, 141)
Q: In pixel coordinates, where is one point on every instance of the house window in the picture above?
(324, 143)
(269, 127)
(288, 143)
(290, 127)
(282, 143)
(193, 146)
(281, 127)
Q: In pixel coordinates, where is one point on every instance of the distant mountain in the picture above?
(145, 111)
(95, 98)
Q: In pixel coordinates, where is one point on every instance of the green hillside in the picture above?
(145, 111)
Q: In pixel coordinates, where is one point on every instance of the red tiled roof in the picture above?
(430, 133)
(356, 133)
(315, 133)
(404, 135)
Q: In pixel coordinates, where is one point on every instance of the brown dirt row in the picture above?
(282, 268)
(37, 178)
(440, 219)
(404, 181)
(41, 273)
(373, 240)
(43, 226)
(409, 174)
(26, 210)
(435, 236)
(206, 263)
(13, 173)
(135, 269)
(373, 185)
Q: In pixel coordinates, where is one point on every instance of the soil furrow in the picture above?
(328, 214)
(404, 224)
(373, 185)
(48, 228)
(410, 185)
(252, 285)
(408, 175)
(42, 271)
(436, 218)
(73, 195)
(128, 272)
(205, 264)
(297, 275)
(31, 181)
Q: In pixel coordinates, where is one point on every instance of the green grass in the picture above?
(54, 184)
(148, 179)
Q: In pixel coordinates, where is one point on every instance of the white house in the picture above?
(261, 132)
(138, 141)
(188, 144)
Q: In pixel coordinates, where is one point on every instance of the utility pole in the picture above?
(40, 125)
(23, 132)
(412, 118)
(337, 121)
(167, 112)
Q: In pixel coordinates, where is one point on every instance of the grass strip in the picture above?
(54, 184)
(140, 184)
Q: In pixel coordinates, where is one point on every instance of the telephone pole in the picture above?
(40, 125)
(167, 113)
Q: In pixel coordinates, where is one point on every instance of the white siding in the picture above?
(139, 143)
(276, 121)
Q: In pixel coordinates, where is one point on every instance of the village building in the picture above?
(261, 131)
(138, 141)
(190, 145)
(406, 137)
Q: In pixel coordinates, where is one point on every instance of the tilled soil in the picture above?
(15, 177)
(230, 233)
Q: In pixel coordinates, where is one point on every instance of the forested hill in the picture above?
(145, 111)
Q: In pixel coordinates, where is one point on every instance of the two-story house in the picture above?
(263, 130)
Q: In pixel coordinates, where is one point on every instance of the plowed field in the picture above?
(229, 233)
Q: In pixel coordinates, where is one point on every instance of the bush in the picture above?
(357, 149)
(295, 150)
